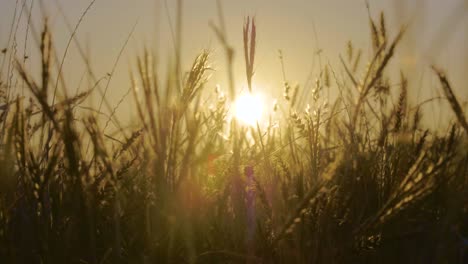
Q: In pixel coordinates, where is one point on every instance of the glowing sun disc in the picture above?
(248, 109)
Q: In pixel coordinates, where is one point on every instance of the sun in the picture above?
(248, 108)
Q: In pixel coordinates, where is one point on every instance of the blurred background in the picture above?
(309, 33)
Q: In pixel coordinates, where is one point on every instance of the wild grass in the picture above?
(357, 180)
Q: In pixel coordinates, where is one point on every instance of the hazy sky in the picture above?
(438, 34)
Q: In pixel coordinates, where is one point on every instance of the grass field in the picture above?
(198, 178)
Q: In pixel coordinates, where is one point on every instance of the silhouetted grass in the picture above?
(350, 181)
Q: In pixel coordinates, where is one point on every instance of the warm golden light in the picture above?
(248, 108)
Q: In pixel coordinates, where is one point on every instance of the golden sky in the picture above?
(438, 34)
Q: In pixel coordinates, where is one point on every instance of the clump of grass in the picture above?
(348, 181)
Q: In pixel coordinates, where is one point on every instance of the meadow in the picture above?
(197, 178)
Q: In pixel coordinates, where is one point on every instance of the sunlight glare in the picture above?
(248, 108)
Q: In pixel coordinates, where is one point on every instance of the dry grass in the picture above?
(350, 181)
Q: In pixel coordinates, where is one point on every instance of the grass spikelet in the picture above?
(368, 85)
(249, 49)
(383, 29)
(350, 50)
(375, 36)
(135, 135)
(46, 52)
(457, 109)
(356, 61)
(196, 78)
(326, 76)
(401, 108)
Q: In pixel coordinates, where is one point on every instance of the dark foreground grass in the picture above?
(358, 180)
